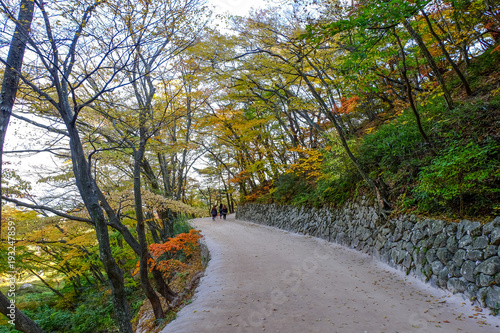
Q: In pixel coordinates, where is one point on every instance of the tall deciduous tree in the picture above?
(13, 65)
(10, 82)
(124, 44)
(59, 49)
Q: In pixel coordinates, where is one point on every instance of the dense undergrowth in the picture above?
(456, 176)
(91, 310)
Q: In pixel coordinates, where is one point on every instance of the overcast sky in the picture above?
(237, 7)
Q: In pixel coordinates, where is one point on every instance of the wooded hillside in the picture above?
(397, 100)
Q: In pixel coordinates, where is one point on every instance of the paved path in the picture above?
(262, 279)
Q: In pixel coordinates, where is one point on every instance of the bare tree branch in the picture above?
(48, 209)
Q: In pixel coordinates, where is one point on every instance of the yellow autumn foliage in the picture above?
(309, 165)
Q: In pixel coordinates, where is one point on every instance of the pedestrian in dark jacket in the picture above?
(223, 211)
(214, 212)
(220, 210)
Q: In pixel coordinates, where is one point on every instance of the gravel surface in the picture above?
(262, 279)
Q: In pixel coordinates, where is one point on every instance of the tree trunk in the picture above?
(20, 320)
(227, 199)
(10, 81)
(162, 286)
(141, 232)
(10, 84)
(382, 200)
(86, 184)
(462, 46)
(447, 55)
(57, 292)
(89, 193)
(409, 90)
(115, 223)
(431, 62)
(165, 174)
(152, 230)
(150, 175)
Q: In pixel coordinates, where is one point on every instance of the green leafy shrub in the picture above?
(460, 171)
(338, 180)
(292, 189)
(90, 312)
(395, 144)
(52, 320)
(88, 318)
(181, 225)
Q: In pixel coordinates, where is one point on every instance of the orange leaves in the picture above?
(259, 192)
(240, 177)
(167, 257)
(348, 105)
(166, 266)
(182, 242)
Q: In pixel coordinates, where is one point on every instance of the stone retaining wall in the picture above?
(462, 257)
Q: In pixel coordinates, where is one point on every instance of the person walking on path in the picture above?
(223, 211)
(214, 212)
(220, 210)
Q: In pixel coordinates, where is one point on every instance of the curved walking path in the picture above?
(262, 279)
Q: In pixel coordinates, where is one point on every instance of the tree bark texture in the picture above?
(89, 193)
(10, 84)
(447, 55)
(409, 90)
(431, 62)
(141, 228)
(10, 81)
(21, 322)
